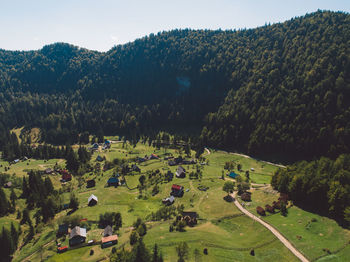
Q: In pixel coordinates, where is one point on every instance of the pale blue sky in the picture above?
(101, 24)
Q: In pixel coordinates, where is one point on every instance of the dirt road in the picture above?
(272, 229)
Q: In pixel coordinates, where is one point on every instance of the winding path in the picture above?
(272, 229)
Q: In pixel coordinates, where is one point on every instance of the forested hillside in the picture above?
(278, 89)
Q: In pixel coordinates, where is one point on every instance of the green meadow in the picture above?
(222, 229)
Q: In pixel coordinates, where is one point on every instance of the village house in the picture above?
(190, 218)
(177, 191)
(77, 236)
(65, 175)
(180, 172)
(92, 200)
(153, 156)
(90, 183)
(109, 241)
(113, 181)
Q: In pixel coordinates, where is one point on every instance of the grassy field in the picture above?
(228, 235)
(309, 232)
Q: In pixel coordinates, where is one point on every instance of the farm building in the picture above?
(113, 181)
(177, 191)
(92, 200)
(180, 172)
(168, 201)
(109, 241)
(62, 230)
(77, 236)
(90, 183)
(246, 196)
(233, 175)
(269, 209)
(260, 211)
(94, 146)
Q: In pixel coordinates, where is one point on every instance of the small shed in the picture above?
(62, 249)
(233, 175)
(92, 200)
(48, 171)
(180, 172)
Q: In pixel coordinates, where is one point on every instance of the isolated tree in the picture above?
(133, 237)
(228, 187)
(284, 210)
(182, 251)
(74, 202)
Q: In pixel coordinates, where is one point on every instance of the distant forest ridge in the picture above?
(281, 89)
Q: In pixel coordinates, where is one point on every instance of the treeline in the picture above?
(322, 185)
(283, 88)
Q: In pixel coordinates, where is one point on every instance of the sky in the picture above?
(101, 24)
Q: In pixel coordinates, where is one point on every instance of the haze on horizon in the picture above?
(100, 25)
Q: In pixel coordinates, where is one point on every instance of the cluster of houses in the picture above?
(77, 236)
(180, 161)
(176, 191)
(146, 158)
(106, 145)
(275, 205)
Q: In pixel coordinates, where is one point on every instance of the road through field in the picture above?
(272, 229)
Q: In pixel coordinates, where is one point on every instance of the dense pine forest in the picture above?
(281, 89)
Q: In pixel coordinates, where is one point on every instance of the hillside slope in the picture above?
(277, 89)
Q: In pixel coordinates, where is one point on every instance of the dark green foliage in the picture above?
(7, 244)
(110, 219)
(4, 203)
(323, 184)
(25, 217)
(74, 202)
(133, 237)
(282, 88)
(165, 213)
(182, 251)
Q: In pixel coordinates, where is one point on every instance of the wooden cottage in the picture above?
(77, 236)
(168, 201)
(108, 231)
(190, 218)
(113, 181)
